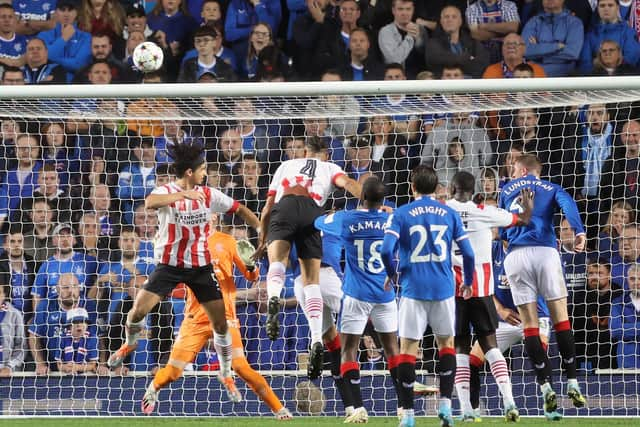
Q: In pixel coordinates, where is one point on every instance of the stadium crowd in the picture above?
(78, 241)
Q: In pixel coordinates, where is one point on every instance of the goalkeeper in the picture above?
(195, 330)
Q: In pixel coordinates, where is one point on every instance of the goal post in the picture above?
(88, 155)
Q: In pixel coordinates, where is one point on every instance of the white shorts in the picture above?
(354, 315)
(331, 290)
(507, 335)
(533, 271)
(415, 315)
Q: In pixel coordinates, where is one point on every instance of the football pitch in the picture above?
(300, 421)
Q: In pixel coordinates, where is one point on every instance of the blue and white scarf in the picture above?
(595, 150)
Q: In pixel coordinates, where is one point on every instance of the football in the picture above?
(148, 57)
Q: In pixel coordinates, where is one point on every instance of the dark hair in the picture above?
(316, 144)
(9, 69)
(7, 6)
(373, 190)
(186, 155)
(206, 30)
(464, 182)
(127, 228)
(599, 261)
(424, 179)
(163, 169)
(394, 66)
(100, 61)
(453, 67)
(333, 72)
(100, 35)
(524, 67)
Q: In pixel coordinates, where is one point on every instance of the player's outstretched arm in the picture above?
(349, 184)
(156, 201)
(570, 211)
(387, 253)
(248, 216)
(265, 216)
(468, 266)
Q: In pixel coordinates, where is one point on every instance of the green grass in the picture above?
(300, 421)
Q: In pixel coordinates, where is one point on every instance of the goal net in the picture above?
(77, 162)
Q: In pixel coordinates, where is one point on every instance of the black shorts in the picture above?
(202, 281)
(477, 312)
(292, 220)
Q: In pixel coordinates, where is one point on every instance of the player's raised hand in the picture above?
(526, 198)
(509, 316)
(193, 195)
(580, 242)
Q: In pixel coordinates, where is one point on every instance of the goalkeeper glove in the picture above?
(245, 251)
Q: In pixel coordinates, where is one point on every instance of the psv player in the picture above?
(196, 331)
(361, 232)
(477, 310)
(184, 211)
(509, 332)
(299, 189)
(424, 232)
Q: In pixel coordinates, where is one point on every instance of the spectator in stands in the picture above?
(474, 142)
(490, 21)
(12, 340)
(621, 175)
(391, 150)
(67, 45)
(138, 178)
(20, 270)
(584, 161)
(77, 349)
(38, 68)
(308, 30)
(405, 124)
(625, 320)
(316, 126)
(99, 202)
(64, 260)
(554, 39)
(487, 185)
(34, 17)
(242, 17)
(49, 188)
(344, 110)
(359, 167)
(51, 318)
(610, 62)
(229, 153)
(143, 106)
(210, 13)
(12, 45)
(609, 28)
(146, 224)
(592, 319)
(363, 65)
(251, 187)
(452, 44)
(219, 50)
(574, 263)
(174, 132)
(627, 255)
(12, 76)
(102, 49)
(513, 50)
(59, 150)
(23, 180)
(172, 24)
(272, 65)
(402, 41)
(102, 17)
(294, 148)
(331, 50)
(259, 38)
(89, 241)
(136, 21)
(621, 215)
(154, 349)
(38, 241)
(9, 131)
(207, 41)
(526, 129)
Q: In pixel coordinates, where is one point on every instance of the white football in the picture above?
(148, 57)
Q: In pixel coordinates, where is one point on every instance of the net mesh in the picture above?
(89, 163)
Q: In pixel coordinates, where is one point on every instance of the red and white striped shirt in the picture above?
(184, 226)
(316, 176)
(478, 220)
